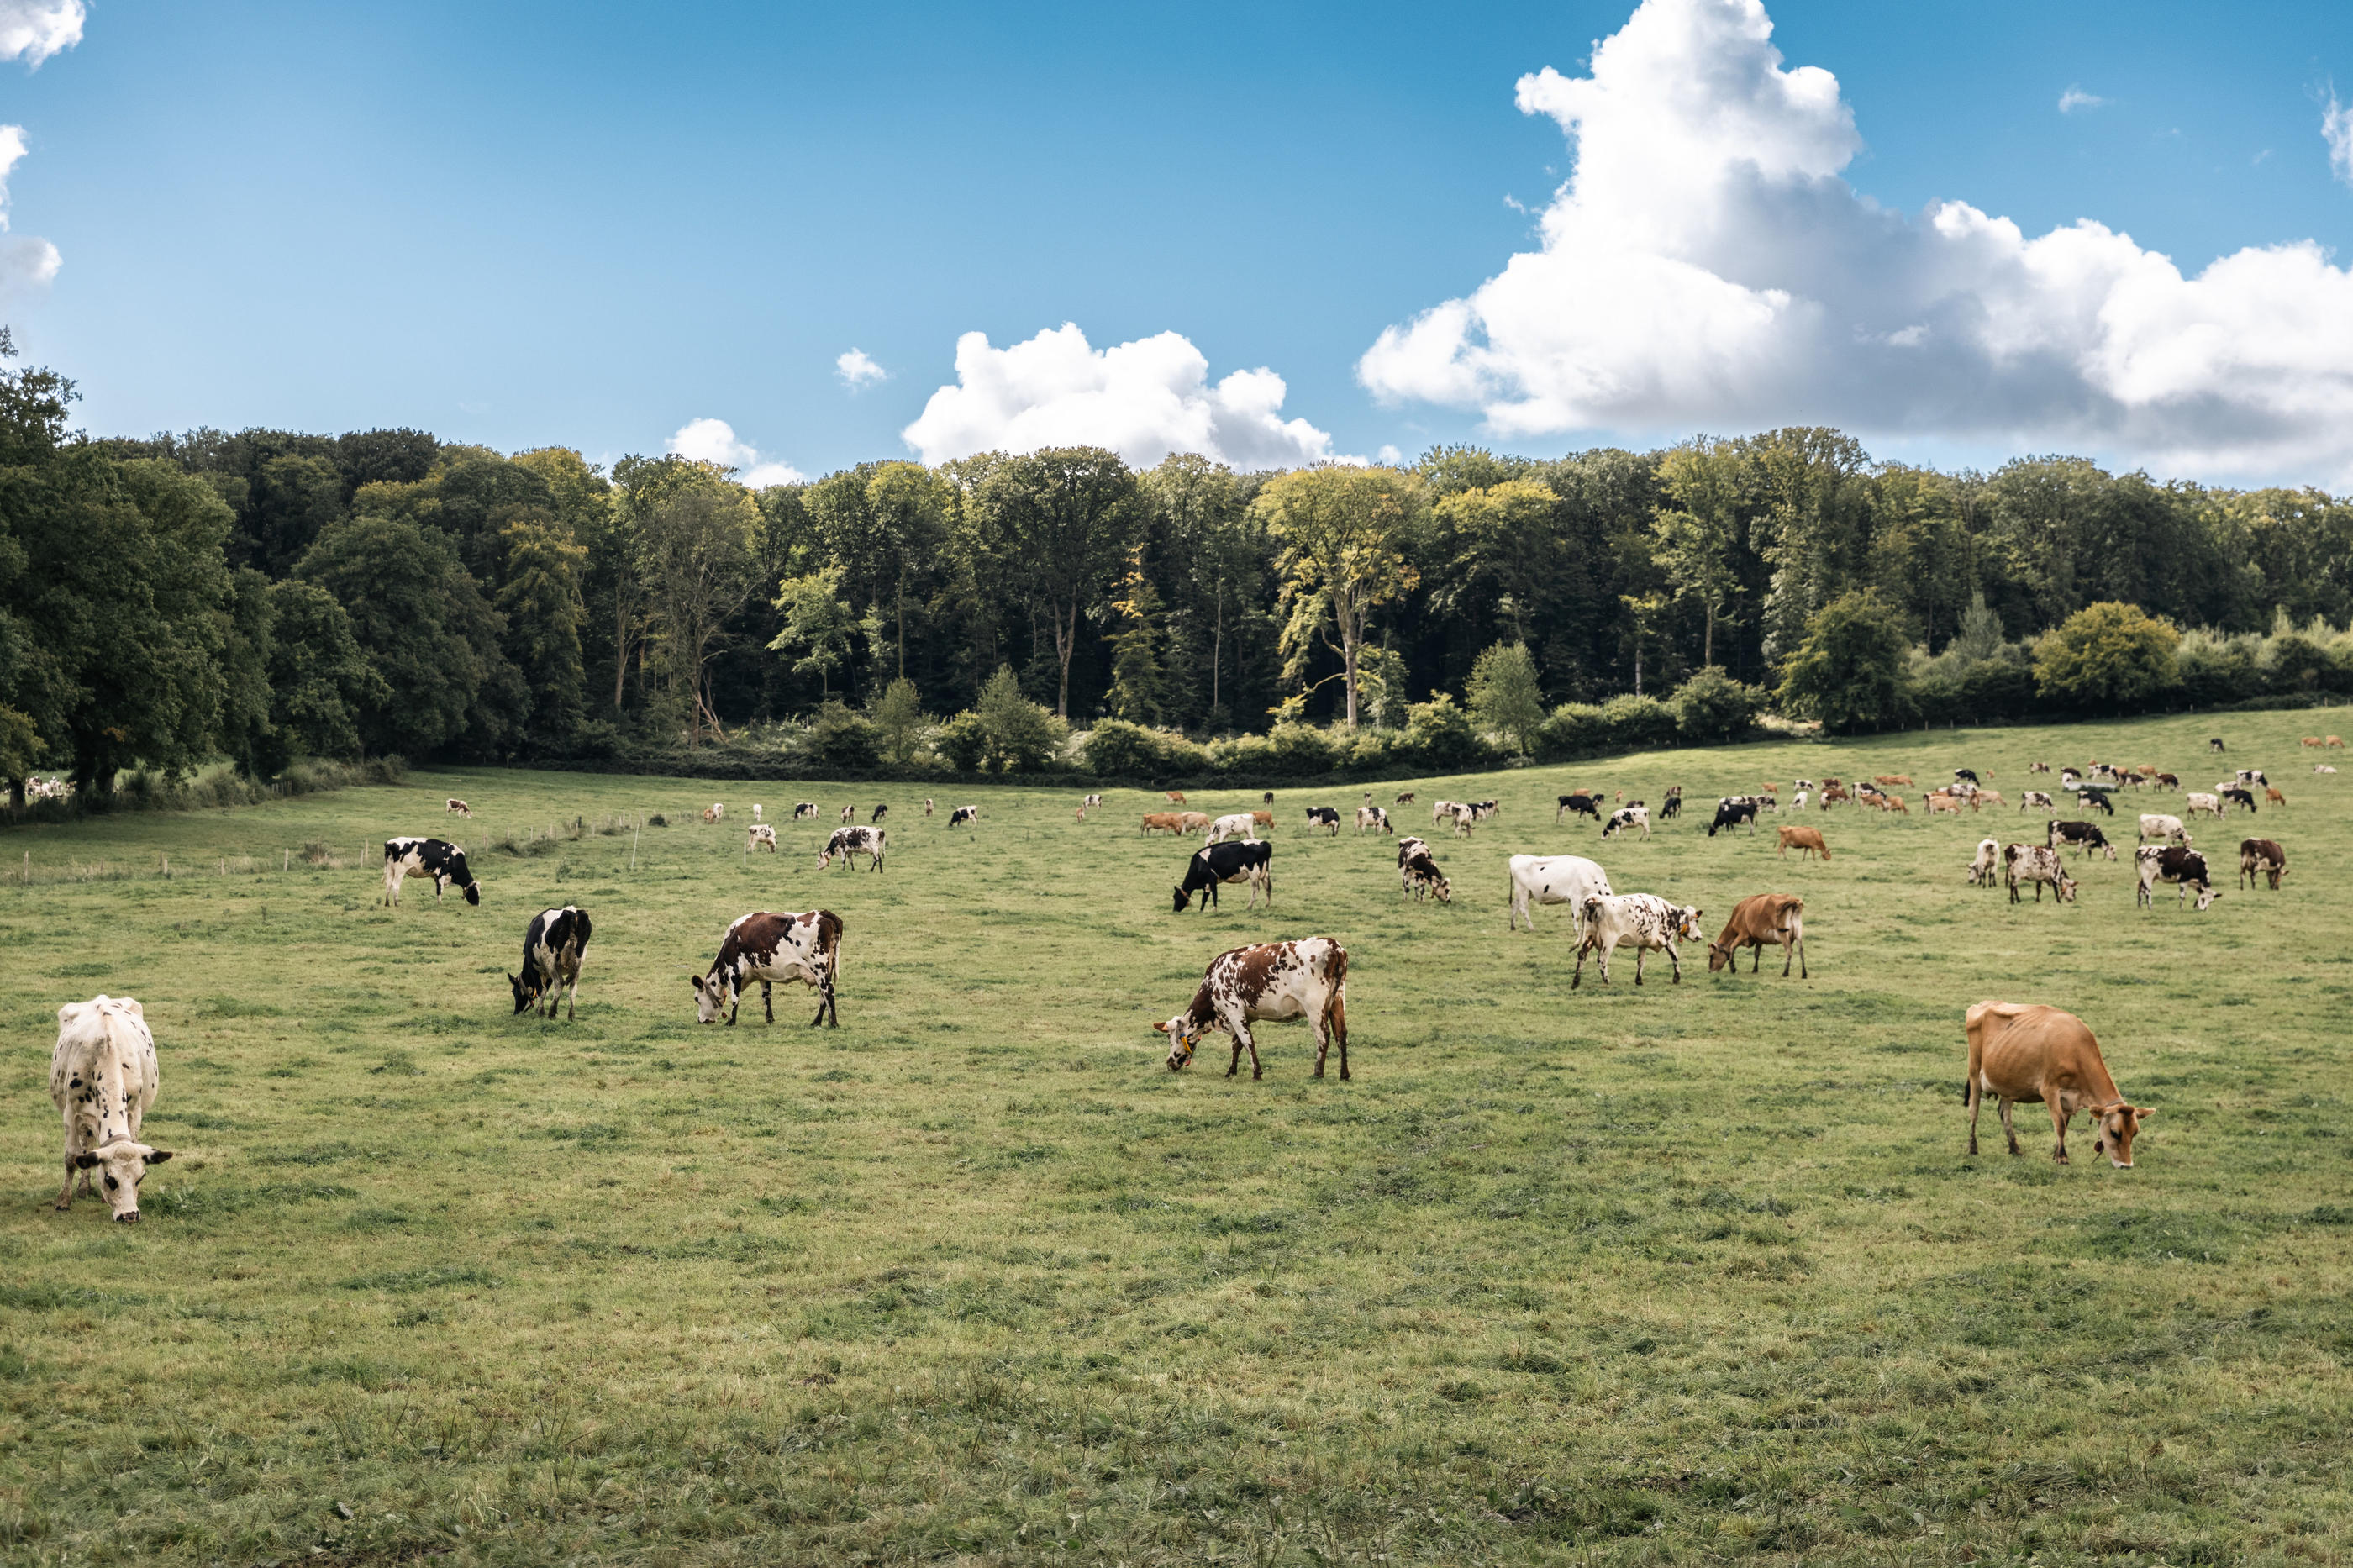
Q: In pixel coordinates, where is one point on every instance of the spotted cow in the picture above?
(1250, 861)
(2037, 864)
(767, 948)
(103, 1076)
(964, 816)
(434, 858)
(2167, 863)
(1272, 982)
(551, 951)
(1649, 922)
(850, 842)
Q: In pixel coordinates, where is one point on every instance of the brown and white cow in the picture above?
(1648, 922)
(760, 836)
(2165, 863)
(1757, 920)
(2037, 864)
(103, 1076)
(767, 948)
(2022, 1052)
(2262, 857)
(715, 811)
(1272, 983)
(456, 807)
(849, 843)
(1808, 841)
(2035, 799)
(1419, 874)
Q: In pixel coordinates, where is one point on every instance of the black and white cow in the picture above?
(2171, 863)
(768, 948)
(1966, 775)
(1373, 819)
(964, 816)
(1626, 816)
(2083, 835)
(551, 951)
(1582, 803)
(2253, 776)
(1483, 810)
(434, 858)
(1324, 817)
(2030, 799)
(2095, 800)
(1272, 983)
(1730, 813)
(1650, 923)
(1249, 860)
(2037, 864)
(1418, 872)
(879, 813)
(1671, 807)
(2240, 797)
(807, 808)
(852, 842)
(2215, 744)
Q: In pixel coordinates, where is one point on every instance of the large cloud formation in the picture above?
(33, 30)
(1705, 266)
(1142, 400)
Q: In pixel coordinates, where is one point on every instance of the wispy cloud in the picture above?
(713, 441)
(2075, 98)
(24, 263)
(856, 369)
(2337, 130)
(33, 30)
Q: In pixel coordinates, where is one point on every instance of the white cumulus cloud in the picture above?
(33, 30)
(1706, 266)
(713, 441)
(1142, 400)
(24, 263)
(2075, 98)
(856, 369)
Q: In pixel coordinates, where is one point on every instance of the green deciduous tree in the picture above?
(818, 621)
(1343, 533)
(320, 680)
(1136, 683)
(695, 532)
(898, 719)
(1849, 671)
(2107, 655)
(1505, 695)
(541, 599)
(1062, 518)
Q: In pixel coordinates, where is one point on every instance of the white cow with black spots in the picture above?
(103, 1077)
(1649, 922)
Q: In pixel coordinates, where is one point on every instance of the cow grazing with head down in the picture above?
(1650, 923)
(2187, 868)
(1250, 861)
(1757, 920)
(967, 815)
(2035, 799)
(1375, 818)
(103, 1077)
(2162, 827)
(1324, 817)
(767, 948)
(2215, 744)
(551, 951)
(2168, 781)
(807, 808)
(879, 813)
(455, 807)
(1989, 854)
(434, 858)
(2262, 856)
(1732, 813)
(760, 836)
(850, 842)
(2037, 864)
(1626, 816)
(1272, 982)
(1235, 825)
(1404, 797)
(1579, 802)
(2084, 836)
(2023, 1052)
(1808, 841)
(1163, 822)
(2196, 802)
(2240, 798)
(1674, 805)
(714, 812)
(2274, 797)
(1419, 874)
(1554, 879)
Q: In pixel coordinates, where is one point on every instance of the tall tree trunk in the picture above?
(1352, 632)
(1707, 642)
(903, 626)
(1065, 637)
(1217, 645)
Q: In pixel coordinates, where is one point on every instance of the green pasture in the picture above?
(1678, 1274)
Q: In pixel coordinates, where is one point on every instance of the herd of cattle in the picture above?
(104, 1074)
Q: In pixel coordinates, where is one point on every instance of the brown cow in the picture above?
(2273, 795)
(1176, 798)
(1987, 797)
(2311, 743)
(1164, 821)
(1893, 802)
(1757, 920)
(1938, 800)
(2334, 740)
(2024, 1051)
(1263, 819)
(2262, 856)
(1808, 841)
(1893, 780)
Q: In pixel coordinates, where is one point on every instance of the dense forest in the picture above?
(269, 594)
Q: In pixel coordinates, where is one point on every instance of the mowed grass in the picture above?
(1676, 1273)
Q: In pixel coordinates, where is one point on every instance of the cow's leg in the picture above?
(1674, 959)
(1757, 957)
(1974, 1093)
(1339, 1027)
(1237, 1035)
(571, 1000)
(66, 1192)
(1577, 978)
(768, 999)
(2060, 1117)
(2009, 1128)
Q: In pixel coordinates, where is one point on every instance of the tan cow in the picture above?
(1808, 841)
(1176, 797)
(1264, 820)
(1164, 821)
(1193, 821)
(1757, 920)
(2024, 1051)
(2334, 740)
(1892, 781)
(1938, 800)
(1987, 797)
(2311, 743)
(2274, 796)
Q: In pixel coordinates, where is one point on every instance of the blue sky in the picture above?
(523, 225)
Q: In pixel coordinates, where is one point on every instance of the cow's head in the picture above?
(2115, 1126)
(2066, 885)
(2206, 895)
(122, 1165)
(712, 993)
(526, 990)
(1184, 899)
(1183, 1034)
(1718, 956)
(1687, 922)
(1444, 890)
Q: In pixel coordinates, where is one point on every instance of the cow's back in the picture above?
(2025, 1050)
(104, 1064)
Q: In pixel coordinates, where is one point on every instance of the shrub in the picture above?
(1117, 748)
(841, 739)
(1638, 721)
(1003, 732)
(961, 741)
(1440, 734)
(2210, 669)
(1712, 706)
(1850, 670)
(1575, 729)
(2109, 655)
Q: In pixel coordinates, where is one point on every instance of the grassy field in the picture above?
(1676, 1273)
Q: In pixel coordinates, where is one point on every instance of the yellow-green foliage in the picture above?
(1676, 1273)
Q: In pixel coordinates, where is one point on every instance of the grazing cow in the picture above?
(927, 805)
(807, 808)
(2251, 777)
(2038, 767)
(1163, 822)
(1981, 869)
(1374, 817)
(2095, 800)
(1404, 797)
(434, 858)
(2070, 780)
(2272, 796)
(2038, 865)
(1268, 798)
(103, 1077)
(2106, 772)
(1893, 802)
(1797, 802)
(1237, 826)
(1443, 810)
(1464, 817)
(1808, 841)
(1483, 810)
(848, 815)
(768, 948)
(455, 807)
(760, 837)
(1769, 788)
(1757, 920)
(1892, 781)
(2169, 781)
(1650, 923)
(2214, 744)
(1984, 797)
(2158, 863)
(1419, 872)
(1730, 813)
(1626, 816)
(2160, 826)
(2026, 1052)
(1274, 983)
(1092, 802)
(2084, 836)
(1251, 861)
(1967, 775)
(879, 813)
(966, 815)
(552, 950)
(2037, 800)
(1554, 879)
(2263, 857)
(2335, 741)
(1832, 794)
(1672, 806)
(1175, 796)
(1938, 800)
(755, 811)
(2240, 797)
(1324, 817)
(1193, 821)
(1263, 819)
(716, 811)
(1579, 802)
(2310, 743)
(850, 842)
(1961, 789)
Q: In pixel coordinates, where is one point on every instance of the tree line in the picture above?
(270, 594)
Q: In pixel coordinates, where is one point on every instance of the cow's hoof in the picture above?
(1256, 1075)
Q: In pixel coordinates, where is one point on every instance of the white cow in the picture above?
(2194, 804)
(1374, 817)
(1626, 816)
(1443, 810)
(1555, 879)
(103, 1077)
(1237, 826)
(1650, 923)
(2155, 825)
(755, 811)
(762, 837)
(1981, 869)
